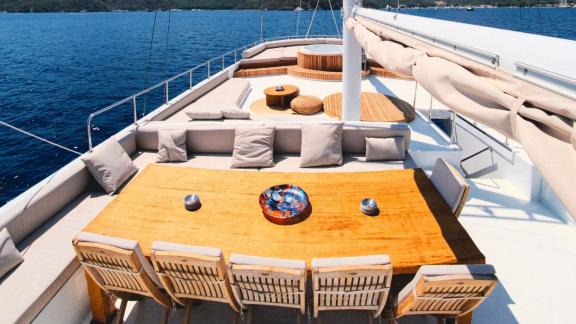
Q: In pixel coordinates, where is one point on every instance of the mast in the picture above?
(351, 68)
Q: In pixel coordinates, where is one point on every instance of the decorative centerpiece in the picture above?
(192, 202)
(369, 207)
(279, 88)
(285, 204)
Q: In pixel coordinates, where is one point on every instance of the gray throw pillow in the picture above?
(391, 148)
(253, 147)
(321, 145)
(172, 146)
(234, 112)
(110, 165)
(9, 256)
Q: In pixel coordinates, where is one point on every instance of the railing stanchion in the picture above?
(208, 68)
(453, 128)
(235, 56)
(166, 94)
(222, 62)
(134, 109)
(430, 109)
(190, 77)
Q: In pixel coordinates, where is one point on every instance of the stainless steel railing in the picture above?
(209, 65)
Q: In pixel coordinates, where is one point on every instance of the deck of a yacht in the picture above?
(531, 248)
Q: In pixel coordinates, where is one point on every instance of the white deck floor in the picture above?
(533, 250)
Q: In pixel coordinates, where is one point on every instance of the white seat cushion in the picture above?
(9, 255)
(175, 247)
(270, 262)
(449, 183)
(376, 259)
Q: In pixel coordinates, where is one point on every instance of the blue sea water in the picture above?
(57, 68)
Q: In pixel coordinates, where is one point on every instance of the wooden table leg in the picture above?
(101, 304)
(464, 319)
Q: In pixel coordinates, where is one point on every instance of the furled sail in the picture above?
(542, 121)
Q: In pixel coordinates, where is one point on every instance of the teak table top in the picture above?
(288, 90)
(415, 226)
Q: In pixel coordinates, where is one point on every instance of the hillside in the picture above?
(111, 5)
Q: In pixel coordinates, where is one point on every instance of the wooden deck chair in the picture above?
(192, 272)
(351, 283)
(119, 268)
(445, 291)
(451, 185)
(268, 281)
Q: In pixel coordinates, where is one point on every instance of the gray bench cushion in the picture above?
(218, 137)
(49, 260)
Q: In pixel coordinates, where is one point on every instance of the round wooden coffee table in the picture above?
(275, 98)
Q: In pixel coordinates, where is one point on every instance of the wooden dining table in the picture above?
(415, 226)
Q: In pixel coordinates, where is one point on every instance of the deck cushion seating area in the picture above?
(42, 223)
(281, 52)
(229, 94)
(218, 138)
(255, 50)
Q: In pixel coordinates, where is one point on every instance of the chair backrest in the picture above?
(361, 283)
(451, 290)
(451, 185)
(268, 281)
(118, 266)
(192, 272)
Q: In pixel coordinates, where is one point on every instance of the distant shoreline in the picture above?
(280, 9)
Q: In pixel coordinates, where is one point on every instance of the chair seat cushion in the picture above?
(376, 259)
(270, 262)
(449, 183)
(172, 145)
(175, 247)
(110, 165)
(234, 112)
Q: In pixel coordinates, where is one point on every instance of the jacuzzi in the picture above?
(322, 49)
(321, 57)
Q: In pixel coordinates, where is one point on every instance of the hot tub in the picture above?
(321, 57)
(322, 49)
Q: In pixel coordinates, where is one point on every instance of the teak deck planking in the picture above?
(415, 225)
(374, 107)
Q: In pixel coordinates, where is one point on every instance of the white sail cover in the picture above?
(542, 121)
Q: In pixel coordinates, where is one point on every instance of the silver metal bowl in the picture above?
(192, 202)
(369, 207)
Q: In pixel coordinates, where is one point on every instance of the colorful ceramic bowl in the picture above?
(285, 204)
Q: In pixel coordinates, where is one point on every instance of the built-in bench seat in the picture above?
(284, 163)
(42, 223)
(281, 52)
(229, 93)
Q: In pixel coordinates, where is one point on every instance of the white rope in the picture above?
(334, 18)
(312, 20)
(39, 138)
